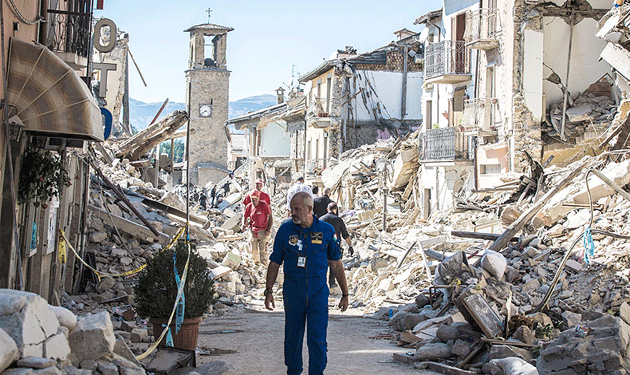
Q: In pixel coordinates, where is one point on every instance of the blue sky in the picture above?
(269, 37)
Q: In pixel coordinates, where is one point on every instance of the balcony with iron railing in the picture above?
(447, 62)
(446, 144)
(69, 36)
(481, 29)
(480, 115)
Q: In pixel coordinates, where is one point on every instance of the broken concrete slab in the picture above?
(432, 351)
(20, 312)
(56, 346)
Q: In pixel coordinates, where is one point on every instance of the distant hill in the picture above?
(141, 114)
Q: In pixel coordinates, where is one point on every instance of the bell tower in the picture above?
(207, 96)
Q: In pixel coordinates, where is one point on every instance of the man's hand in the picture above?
(270, 303)
(343, 303)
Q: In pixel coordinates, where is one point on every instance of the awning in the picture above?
(48, 96)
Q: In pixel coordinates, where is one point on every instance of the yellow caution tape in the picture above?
(62, 252)
(180, 292)
(100, 274)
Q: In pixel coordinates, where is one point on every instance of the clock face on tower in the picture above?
(205, 110)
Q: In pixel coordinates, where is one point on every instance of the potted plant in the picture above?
(156, 292)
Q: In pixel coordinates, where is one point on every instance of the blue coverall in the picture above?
(305, 290)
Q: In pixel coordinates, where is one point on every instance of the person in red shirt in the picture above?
(259, 219)
(263, 196)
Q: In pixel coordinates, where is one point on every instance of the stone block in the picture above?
(126, 367)
(232, 260)
(52, 370)
(98, 237)
(107, 368)
(123, 350)
(460, 348)
(447, 333)
(19, 371)
(127, 326)
(92, 338)
(105, 284)
(71, 370)
(524, 334)
(20, 313)
(8, 350)
(624, 312)
(64, 316)
(433, 351)
(571, 319)
(139, 334)
(56, 347)
(494, 263)
(35, 362)
(89, 364)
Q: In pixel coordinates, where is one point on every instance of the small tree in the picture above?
(156, 290)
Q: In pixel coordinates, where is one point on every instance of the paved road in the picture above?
(255, 339)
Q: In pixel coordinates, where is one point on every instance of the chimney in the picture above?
(280, 95)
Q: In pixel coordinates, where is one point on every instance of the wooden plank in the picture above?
(489, 322)
(448, 370)
(526, 216)
(479, 235)
(409, 337)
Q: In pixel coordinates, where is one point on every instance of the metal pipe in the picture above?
(566, 82)
(188, 159)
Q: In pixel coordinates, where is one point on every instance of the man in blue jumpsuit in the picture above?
(305, 245)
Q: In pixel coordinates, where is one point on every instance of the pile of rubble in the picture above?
(42, 339)
(532, 303)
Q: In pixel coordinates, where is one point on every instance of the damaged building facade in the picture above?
(354, 99)
(498, 81)
(266, 140)
(48, 122)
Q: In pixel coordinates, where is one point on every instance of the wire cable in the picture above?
(21, 17)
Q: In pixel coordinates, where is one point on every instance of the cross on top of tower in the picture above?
(209, 11)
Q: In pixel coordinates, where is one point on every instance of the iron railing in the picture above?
(481, 25)
(480, 114)
(446, 57)
(69, 31)
(446, 144)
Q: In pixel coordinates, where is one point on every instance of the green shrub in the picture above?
(156, 290)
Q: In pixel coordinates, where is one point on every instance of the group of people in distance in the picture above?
(307, 245)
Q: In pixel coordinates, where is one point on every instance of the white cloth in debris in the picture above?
(297, 188)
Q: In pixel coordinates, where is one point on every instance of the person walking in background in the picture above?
(263, 196)
(213, 195)
(332, 218)
(260, 220)
(304, 245)
(315, 190)
(298, 187)
(320, 205)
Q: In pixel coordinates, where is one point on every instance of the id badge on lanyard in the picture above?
(301, 261)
